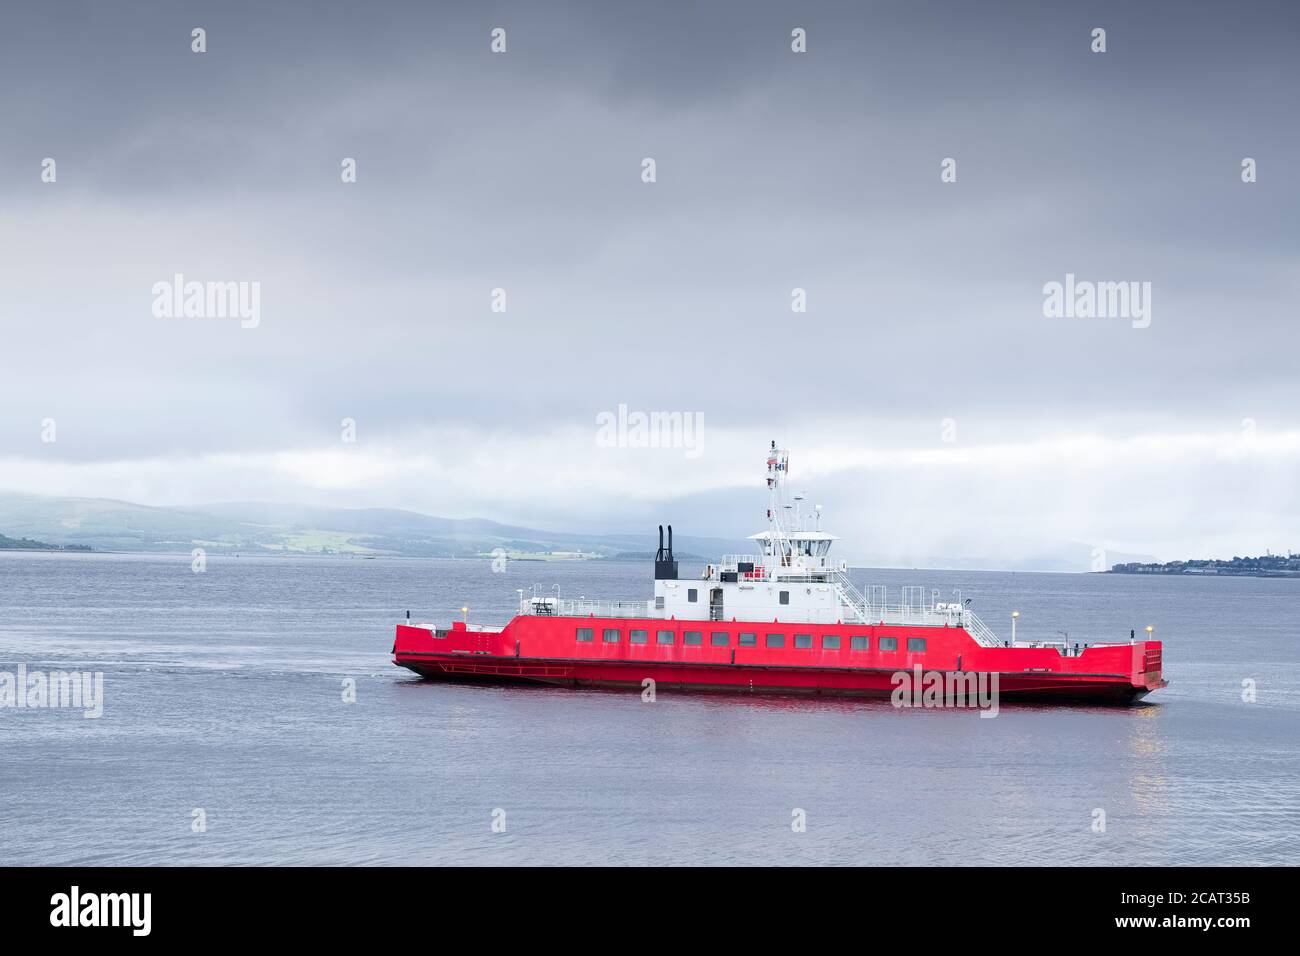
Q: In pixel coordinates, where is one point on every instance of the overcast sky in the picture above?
(775, 170)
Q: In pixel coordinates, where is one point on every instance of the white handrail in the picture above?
(555, 607)
(979, 630)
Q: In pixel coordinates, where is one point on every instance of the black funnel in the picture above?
(665, 563)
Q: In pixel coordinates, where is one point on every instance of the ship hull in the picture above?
(745, 680)
(544, 651)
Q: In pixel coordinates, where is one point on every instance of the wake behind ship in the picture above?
(786, 619)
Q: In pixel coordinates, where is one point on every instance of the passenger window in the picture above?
(889, 643)
(612, 635)
(860, 643)
(720, 639)
(664, 637)
(830, 642)
(803, 640)
(776, 640)
(916, 643)
(748, 640)
(638, 637)
(586, 634)
(785, 597)
(693, 637)
(692, 595)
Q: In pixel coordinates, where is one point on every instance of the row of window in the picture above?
(830, 642)
(693, 596)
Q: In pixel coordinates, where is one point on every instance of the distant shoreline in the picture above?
(30, 544)
(54, 551)
(1263, 566)
(1210, 574)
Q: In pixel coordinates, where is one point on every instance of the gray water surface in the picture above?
(224, 691)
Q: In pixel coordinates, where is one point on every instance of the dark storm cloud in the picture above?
(521, 171)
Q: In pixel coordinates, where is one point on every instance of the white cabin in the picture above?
(791, 578)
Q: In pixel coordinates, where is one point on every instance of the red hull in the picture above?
(547, 650)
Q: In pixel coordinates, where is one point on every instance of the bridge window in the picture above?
(916, 643)
(776, 640)
(803, 640)
(638, 637)
(860, 642)
(693, 637)
(748, 640)
(785, 597)
(612, 635)
(889, 643)
(664, 637)
(830, 642)
(586, 634)
(720, 639)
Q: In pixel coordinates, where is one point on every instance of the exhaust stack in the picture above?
(665, 563)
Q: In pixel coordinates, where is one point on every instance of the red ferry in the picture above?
(784, 620)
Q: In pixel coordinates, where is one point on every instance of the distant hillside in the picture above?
(110, 525)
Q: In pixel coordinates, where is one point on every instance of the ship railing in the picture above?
(556, 607)
(904, 614)
(805, 577)
(914, 609)
(926, 617)
(799, 568)
(732, 562)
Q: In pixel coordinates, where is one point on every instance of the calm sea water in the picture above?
(224, 691)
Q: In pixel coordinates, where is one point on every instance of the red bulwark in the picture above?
(770, 657)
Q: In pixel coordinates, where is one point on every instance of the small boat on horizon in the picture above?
(785, 619)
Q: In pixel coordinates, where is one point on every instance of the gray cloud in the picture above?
(521, 171)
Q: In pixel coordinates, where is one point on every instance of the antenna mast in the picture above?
(778, 469)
